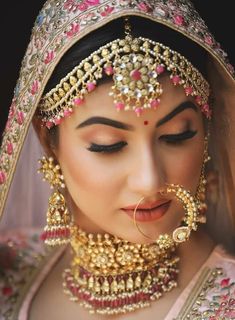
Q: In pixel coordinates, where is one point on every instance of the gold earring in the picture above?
(201, 190)
(57, 230)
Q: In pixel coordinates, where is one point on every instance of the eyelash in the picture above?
(178, 138)
(107, 148)
(117, 147)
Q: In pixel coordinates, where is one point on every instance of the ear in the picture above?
(44, 137)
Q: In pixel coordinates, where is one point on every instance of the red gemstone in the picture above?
(135, 75)
(160, 69)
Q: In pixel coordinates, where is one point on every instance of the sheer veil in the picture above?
(57, 28)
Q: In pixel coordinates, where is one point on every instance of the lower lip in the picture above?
(149, 215)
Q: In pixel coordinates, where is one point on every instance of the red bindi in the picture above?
(146, 122)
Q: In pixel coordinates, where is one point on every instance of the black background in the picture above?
(17, 18)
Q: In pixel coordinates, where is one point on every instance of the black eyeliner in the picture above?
(179, 137)
(107, 148)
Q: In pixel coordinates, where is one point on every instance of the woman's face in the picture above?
(110, 160)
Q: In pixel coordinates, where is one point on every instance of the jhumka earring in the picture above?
(57, 230)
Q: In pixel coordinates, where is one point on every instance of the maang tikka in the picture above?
(57, 230)
(134, 64)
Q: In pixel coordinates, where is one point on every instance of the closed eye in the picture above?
(107, 148)
(179, 137)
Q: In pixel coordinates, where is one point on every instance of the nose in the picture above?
(146, 176)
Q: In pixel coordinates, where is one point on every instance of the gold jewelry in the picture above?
(181, 233)
(134, 64)
(109, 275)
(201, 190)
(57, 230)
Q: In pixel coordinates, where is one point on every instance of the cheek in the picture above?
(184, 166)
(86, 173)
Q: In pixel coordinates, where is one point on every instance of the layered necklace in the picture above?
(111, 276)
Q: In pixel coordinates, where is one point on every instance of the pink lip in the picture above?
(146, 213)
(147, 205)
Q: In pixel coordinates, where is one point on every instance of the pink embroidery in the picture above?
(35, 87)
(107, 11)
(7, 291)
(49, 57)
(93, 2)
(74, 28)
(179, 20)
(2, 177)
(20, 117)
(209, 40)
(225, 282)
(144, 7)
(9, 148)
(83, 6)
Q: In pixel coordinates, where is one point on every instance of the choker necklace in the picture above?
(111, 276)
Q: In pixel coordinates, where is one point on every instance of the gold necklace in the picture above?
(110, 276)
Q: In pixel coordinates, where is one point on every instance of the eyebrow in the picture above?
(128, 127)
(181, 107)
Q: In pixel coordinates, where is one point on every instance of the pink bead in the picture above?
(206, 107)
(138, 111)
(136, 75)
(2, 177)
(119, 106)
(175, 79)
(91, 86)
(188, 91)
(155, 103)
(160, 69)
(9, 148)
(78, 101)
(108, 70)
(20, 117)
(67, 112)
(198, 100)
(49, 124)
(58, 121)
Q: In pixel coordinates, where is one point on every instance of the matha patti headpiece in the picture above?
(135, 65)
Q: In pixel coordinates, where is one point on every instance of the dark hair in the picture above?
(115, 29)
